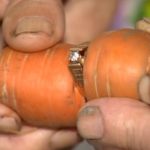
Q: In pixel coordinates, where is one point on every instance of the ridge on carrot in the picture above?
(41, 89)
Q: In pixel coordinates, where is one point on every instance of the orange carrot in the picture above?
(115, 64)
(42, 90)
(39, 86)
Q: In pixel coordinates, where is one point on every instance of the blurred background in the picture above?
(129, 12)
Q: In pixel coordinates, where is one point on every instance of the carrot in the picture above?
(39, 86)
(115, 63)
(42, 90)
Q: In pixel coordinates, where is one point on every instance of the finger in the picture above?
(29, 22)
(84, 20)
(2, 42)
(105, 147)
(144, 24)
(9, 120)
(144, 89)
(45, 138)
(29, 138)
(65, 139)
(3, 6)
(121, 123)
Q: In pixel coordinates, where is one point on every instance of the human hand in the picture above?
(116, 124)
(26, 22)
(22, 137)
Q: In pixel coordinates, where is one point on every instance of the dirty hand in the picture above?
(31, 25)
(22, 137)
(116, 124)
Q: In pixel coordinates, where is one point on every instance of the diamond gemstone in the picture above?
(74, 56)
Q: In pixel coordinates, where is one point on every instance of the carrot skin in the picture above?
(41, 89)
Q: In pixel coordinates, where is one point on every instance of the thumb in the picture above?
(9, 120)
(117, 122)
(23, 29)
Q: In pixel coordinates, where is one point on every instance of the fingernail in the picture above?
(33, 25)
(144, 89)
(90, 123)
(9, 125)
(143, 24)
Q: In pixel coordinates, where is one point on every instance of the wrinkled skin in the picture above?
(116, 124)
(24, 137)
(28, 22)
